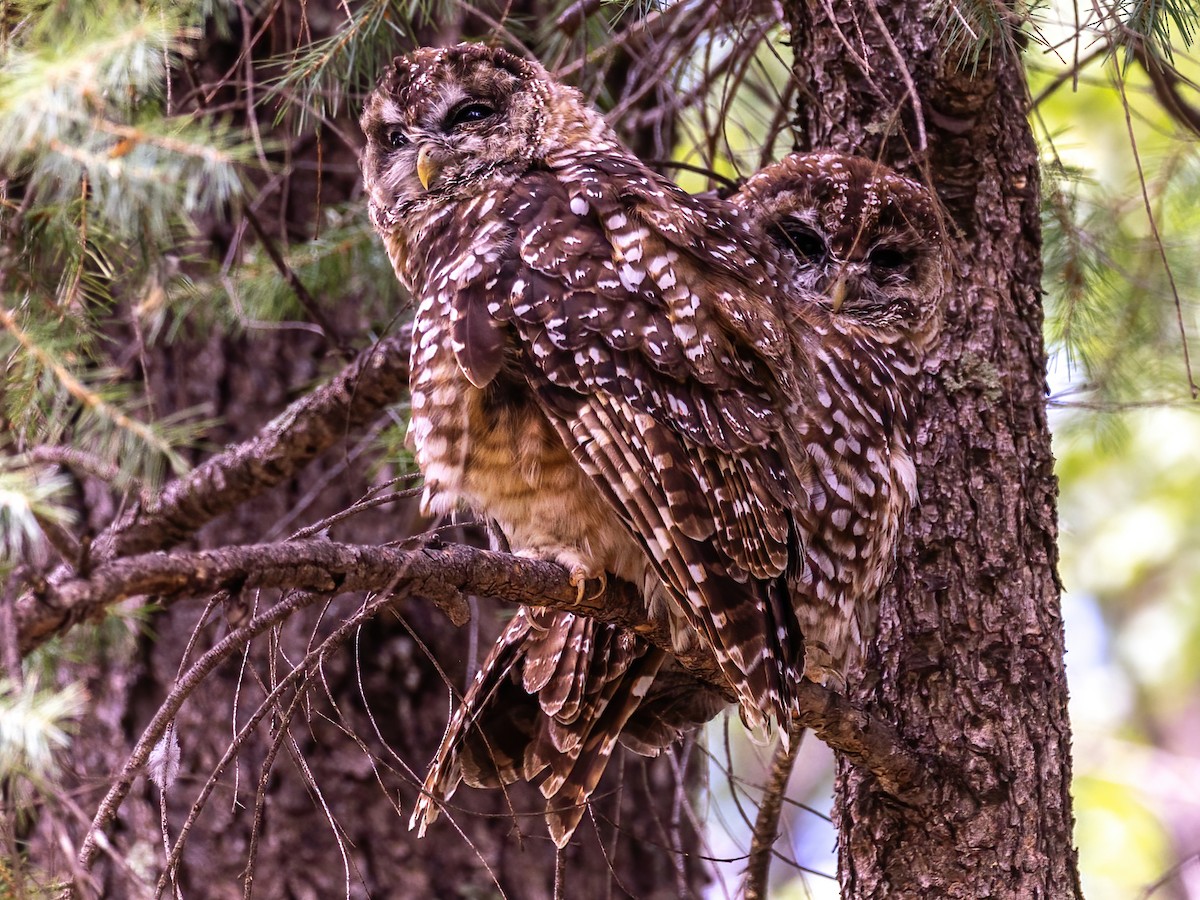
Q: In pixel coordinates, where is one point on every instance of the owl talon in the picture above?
(579, 580)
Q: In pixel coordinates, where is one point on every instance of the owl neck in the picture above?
(428, 228)
(571, 126)
(874, 380)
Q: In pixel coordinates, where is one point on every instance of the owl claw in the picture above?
(579, 579)
(820, 668)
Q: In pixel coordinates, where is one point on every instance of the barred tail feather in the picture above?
(591, 679)
(567, 799)
(676, 703)
(502, 748)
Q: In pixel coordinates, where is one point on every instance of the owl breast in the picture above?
(493, 451)
(862, 483)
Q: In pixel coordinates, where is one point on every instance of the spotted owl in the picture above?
(864, 244)
(617, 374)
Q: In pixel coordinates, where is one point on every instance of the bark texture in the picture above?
(969, 663)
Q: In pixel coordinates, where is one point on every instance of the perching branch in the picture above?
(445, 575)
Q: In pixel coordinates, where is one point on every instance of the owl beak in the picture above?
(838, 294)
(427, 167)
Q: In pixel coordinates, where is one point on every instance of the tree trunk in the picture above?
(969, 663)
(970, 652)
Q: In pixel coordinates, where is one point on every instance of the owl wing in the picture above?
(644, 327)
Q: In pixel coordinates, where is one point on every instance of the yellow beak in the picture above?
(427, 166)
(838, 294)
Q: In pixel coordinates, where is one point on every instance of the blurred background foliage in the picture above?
(132, 208)
(1122, 281)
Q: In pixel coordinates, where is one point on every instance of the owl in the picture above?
(864, 244)
(617, 374)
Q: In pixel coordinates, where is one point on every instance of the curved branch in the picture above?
(377, 378)
(444, 575)
(1166, 81)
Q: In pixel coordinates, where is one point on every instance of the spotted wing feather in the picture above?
(669, 395)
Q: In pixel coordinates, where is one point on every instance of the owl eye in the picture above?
(468, 114)
(396, 139)
(799, 239)
(888, 258)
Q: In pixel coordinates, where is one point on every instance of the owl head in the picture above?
(444, 121)
(860, 238)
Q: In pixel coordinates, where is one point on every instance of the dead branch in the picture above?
(443, 575)
(311, 425)
(166, 713)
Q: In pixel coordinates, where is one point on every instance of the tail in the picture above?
(551, 701)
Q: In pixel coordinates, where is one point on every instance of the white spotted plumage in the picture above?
(848, 220)
(628, 380)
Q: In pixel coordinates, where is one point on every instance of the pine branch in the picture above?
(37, 722)
(352, 58)
(84, 396)
(86, 108)
(31, 501)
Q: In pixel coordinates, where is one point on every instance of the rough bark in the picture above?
(969, 664)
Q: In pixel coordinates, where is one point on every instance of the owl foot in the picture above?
(819, 668)
(580, 576)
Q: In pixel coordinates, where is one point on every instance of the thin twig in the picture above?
(1070, 74)
(766, 824)
(260, 793)
(311, 306)
(307, 428)
(301, 671)
(905, 74)
(168, 710)
(1154, 232)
